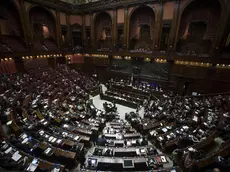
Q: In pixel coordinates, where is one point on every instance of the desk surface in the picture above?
(124, 149)
(118, 160)
(57, 151)
(42, 164)
(71, 132)
(124, 136)
(76, 129)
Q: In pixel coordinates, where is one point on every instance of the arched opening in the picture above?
(198, 27)
(11, 32)
(44, 29)
(77, 36)
(141, 33)
(103, 31)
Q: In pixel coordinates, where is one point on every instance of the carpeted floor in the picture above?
(120, 109)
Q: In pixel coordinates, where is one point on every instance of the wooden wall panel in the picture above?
(63, 19)
(5, 28)
(87, 20)
(168, 10)
(120, 16)
(76, 19)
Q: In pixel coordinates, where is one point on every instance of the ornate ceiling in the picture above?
(79, 1)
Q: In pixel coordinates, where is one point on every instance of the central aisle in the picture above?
(98, 103)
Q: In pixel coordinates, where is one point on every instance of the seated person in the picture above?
(144, 142)
(101, 141)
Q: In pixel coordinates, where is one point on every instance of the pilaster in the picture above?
(174, 27)
(69, 31)
(92, 30)
(114, 27)
(24, 23)
(58, 29)
(159, 23)
(126, 24)
(222, 33)
(84, 31)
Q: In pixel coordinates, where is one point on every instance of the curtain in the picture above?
(46, 32)
(228, 41)
(186, 33)
(134, 30)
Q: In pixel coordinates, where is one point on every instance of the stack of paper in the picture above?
(8, 150)
(16, 156)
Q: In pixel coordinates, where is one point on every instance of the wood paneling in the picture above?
(76, 19)
(120, 16)
(168, 10)
(63, 19)
(87, 20)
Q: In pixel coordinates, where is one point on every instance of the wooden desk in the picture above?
(66, 154)
(124, 151)
(48, 165)
(116, 164)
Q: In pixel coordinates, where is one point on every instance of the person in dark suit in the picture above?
(101, 141)
(144, 142)
(82, 159)
(94, 137)
(125, 143)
